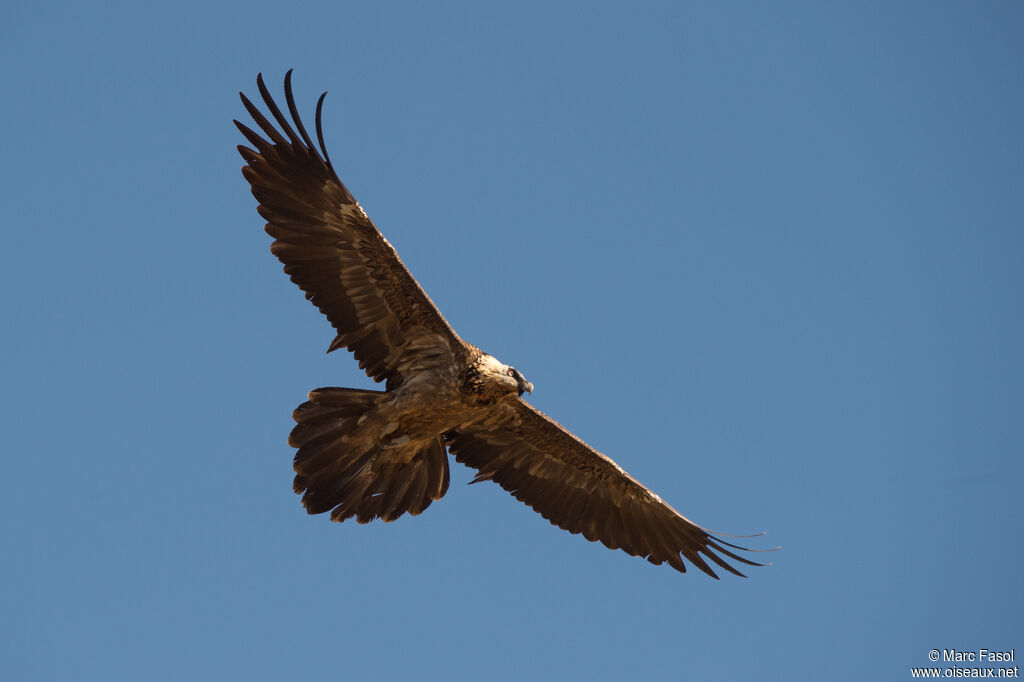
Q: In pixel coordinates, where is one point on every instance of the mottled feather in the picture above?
(578, 489)
(332, 250)
(367, 454)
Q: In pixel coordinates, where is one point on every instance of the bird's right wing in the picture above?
(582, 491)
(333, 251)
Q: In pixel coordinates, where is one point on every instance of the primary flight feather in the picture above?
(367, 454)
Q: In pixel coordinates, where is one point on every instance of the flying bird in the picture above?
(368, 454)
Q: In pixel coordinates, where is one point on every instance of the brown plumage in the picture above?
(379, 454)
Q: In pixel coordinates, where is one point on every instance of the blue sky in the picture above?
(768, 256)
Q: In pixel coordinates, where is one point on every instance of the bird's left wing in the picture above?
(334, 252)
(582, 491)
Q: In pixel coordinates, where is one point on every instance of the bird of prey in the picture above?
(368, 454)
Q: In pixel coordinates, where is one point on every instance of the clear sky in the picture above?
(768, 256)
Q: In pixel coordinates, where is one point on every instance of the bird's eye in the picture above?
(511, 372)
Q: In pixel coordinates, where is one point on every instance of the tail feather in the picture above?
(321, 424)
(417, 498)
(351, 482)
(437, 472)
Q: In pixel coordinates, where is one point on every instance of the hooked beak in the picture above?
(521, 383)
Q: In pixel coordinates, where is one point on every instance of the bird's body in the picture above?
(368, 454)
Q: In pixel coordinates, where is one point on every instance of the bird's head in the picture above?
(493, 378)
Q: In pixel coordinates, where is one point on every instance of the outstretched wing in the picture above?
(333, 251)
(580, 490)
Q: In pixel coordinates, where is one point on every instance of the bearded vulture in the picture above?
(368, 454)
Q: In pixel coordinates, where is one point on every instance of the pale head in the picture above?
(493, 376)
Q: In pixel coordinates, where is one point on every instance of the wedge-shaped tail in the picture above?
(354, 459)
(335, 474)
